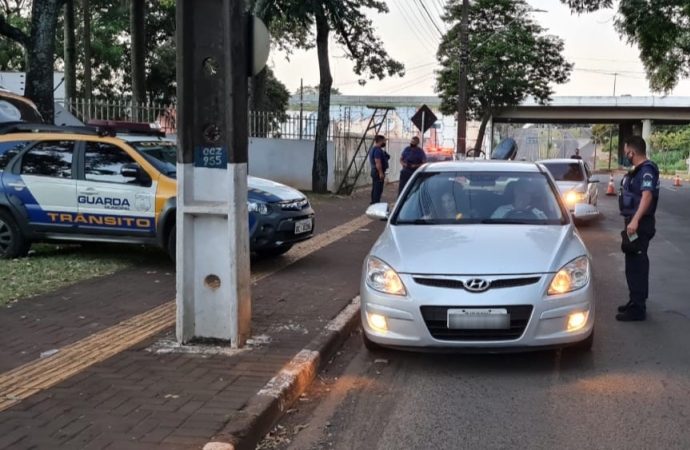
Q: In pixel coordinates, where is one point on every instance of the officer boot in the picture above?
(623, 308)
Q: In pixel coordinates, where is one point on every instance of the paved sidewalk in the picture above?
(151, 395)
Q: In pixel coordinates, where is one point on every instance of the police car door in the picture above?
(42, 182)
(109, 203)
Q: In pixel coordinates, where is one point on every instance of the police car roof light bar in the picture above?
(146, 129)
(24, 127)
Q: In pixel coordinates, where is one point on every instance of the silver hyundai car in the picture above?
(478, 255)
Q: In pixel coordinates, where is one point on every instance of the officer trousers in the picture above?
(405, 176)
(637, 264)
(376, 187)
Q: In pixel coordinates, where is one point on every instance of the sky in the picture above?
(591, 43)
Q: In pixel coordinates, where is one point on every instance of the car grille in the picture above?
(436, 320)
(495, 284)
(294, 205)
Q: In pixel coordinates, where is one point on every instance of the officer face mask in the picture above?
(630, 156)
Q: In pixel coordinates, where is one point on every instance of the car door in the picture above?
(112, 203)
(43, 182)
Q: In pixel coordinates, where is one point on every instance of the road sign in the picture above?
(424, 119)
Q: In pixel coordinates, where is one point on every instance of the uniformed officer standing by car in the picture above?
(378, 159)
(411, 159)
(638, 199)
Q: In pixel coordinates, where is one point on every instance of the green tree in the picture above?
(659, 28)
(356, 34)
(39, 44)
(510, 59)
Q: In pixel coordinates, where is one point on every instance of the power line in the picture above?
(426, 17)
(407, 71)
(411, 83)
(411, 24)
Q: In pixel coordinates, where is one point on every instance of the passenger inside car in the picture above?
(524, 196)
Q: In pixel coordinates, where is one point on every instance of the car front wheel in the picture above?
(13, 244)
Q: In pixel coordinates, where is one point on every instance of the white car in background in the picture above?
(575, 181)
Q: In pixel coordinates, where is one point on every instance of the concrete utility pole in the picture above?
(218, 49)
(462, 80)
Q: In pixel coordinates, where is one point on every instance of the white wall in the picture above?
(287, 161)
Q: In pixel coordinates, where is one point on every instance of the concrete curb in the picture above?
(248, 427)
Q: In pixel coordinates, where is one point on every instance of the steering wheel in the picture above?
(521, 214)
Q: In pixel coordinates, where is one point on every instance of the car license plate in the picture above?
(478, 319)
(303, 226)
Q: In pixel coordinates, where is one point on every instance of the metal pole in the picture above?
(213, 280)
(462, 80)
(615, 77)
(301, 105)
(423, 123)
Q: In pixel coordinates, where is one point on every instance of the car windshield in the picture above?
(480, 197)
(162, 154)
(566, 171)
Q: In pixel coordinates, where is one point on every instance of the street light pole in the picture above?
(462, 81)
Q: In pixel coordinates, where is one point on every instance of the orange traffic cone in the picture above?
(610, 190)
(676, 182)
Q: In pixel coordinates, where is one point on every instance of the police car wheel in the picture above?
(13, 244)
(172, 243)
(273, 252)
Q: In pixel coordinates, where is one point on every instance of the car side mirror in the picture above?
(379, 211)
(134, 170)
(585, 211)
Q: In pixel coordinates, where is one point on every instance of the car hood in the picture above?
(496, 249)
(567, 186)
(270, 192)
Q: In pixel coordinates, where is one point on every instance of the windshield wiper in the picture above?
(415, 222)
(506, 221)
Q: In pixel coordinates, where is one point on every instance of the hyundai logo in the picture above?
(477, 285)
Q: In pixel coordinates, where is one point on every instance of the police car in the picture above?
(116, 182)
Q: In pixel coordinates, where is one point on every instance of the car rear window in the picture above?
(566, 171)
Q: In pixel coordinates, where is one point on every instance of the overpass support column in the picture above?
(646, 134)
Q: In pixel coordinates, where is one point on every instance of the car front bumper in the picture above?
(419, 320)
(277, 229)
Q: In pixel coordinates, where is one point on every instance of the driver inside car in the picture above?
(521, 206)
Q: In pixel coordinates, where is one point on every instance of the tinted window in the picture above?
(480, 197)
(566, 171)
(49, 159)
(162, 154)
(103, 162)
(9, 150)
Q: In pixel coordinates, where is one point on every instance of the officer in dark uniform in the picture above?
(411, 159)
(378, 160)
(638, 199)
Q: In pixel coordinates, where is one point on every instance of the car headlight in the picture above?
(381, 277)
(571, 277)
(258, 207)
(574, 197)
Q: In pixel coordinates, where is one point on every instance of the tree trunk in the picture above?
(137, 29)
(40, 83)
(88, 76)
(70, 55)
(319, 172)
(480, 134)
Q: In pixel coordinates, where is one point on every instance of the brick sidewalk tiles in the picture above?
(151, 396)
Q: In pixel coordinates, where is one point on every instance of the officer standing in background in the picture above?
(378, 159)
(411, 159)
(638, 199)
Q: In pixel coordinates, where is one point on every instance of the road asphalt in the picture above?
(630, 392)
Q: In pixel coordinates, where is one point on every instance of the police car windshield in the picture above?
(481, 197)
(566, 171)
(162, 154)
